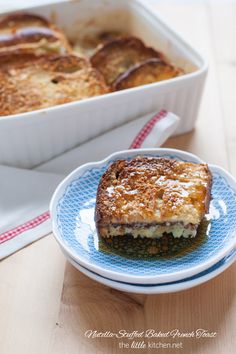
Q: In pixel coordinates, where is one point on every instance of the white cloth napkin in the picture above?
(25, 194)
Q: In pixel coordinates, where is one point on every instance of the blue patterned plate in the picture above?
(163, 288)
(72, 212)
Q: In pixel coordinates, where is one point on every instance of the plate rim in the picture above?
(147, 279)
(155, 289)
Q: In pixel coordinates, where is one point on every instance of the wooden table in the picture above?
(46, 305)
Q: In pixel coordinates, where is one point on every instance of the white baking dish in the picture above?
(31, 138)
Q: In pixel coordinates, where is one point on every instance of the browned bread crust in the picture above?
(119, 55)
(151, 191)
(47, 81)
(152, 70)
(28, 31)
(17, 19)
(13, 57)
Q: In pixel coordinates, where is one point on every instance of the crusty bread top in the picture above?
(23, 30)
(119, 55)
(46, 81)
(18, 58)
(20, 19)
(152, 70)
(153, 190)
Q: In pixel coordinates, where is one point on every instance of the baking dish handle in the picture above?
(156, 131)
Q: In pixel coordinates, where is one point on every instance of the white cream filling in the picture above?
(156, 231)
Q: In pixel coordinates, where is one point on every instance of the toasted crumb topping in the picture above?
(153, 190)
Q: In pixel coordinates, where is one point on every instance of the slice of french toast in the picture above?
(31, 32)
(151, 197)
(46, 81)
(117, 56)
(150, 71)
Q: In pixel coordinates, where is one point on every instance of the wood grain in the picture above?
(44, 310)
(31, 284)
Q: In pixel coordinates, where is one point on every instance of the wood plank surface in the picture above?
(47, 305)
(30, 293)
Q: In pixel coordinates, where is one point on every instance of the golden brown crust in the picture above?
(14, 19)
(33, 32)
(47, 81)
(18, 57)
(27, 41)
(208, 190)
(153, 190)
(119, 55)
(150, 71)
